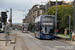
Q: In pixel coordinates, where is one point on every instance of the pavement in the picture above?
(2, 45)
(2, 36)
(2, 42)
(10, 43)
(66, 41)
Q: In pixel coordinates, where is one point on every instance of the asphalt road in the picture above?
(45, 44)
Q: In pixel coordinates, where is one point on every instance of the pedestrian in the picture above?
(73, 35)
(57, 31)
(65, 32)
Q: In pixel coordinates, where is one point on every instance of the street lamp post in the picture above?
(74, 18)
(69, 25)
(45, 7)
(56, 18)
(6, 29)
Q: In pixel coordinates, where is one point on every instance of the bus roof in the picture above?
(37, 19)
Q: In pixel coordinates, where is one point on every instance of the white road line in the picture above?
(29, 35)
(37, 40)
(50, 48)
(33, 37)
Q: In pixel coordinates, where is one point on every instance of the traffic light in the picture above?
(3, 17)
(0, 25)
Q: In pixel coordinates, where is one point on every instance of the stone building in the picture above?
(52, 3)
(34, 12)
(37, 10)
(23, 20)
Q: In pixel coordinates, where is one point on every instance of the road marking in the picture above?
(29, 35)
(32, 37)
(37, 40)
(50, 48)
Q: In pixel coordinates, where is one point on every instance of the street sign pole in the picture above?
(6, 32)
(69, 25)
(56, 18)
(74, 18)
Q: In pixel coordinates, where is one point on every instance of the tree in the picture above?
(63, 12)
(31, 25)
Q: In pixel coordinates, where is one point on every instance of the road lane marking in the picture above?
(29, 35)
(34, 38)
(50, 48)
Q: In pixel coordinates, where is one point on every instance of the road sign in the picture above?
(10, 27)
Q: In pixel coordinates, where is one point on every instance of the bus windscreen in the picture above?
(47, 18)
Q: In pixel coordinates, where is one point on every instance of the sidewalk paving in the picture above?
(2, 45)
(2, 36)
(10, 44)
(66, 41)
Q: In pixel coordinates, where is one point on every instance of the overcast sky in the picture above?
(18, 5)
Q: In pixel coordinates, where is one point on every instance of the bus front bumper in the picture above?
(47, 36)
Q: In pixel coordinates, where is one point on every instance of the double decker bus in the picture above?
(25, 27)
(45, 27)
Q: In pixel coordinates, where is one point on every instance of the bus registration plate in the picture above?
(47, 36)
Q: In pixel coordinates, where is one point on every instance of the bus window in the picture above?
(43, 30)
(47, 30)
(26, 29)
(37, 27)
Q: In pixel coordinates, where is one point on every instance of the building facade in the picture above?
(52, 3)
(37, 10)
(34, 12)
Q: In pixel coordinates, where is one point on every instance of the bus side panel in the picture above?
(37, 29)
(37, 34)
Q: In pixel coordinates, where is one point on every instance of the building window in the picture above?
(53, 3)
(58, 3)
(40, 11)
(33, 16)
